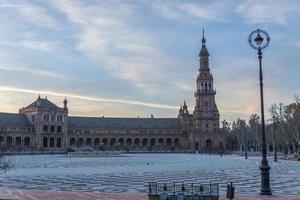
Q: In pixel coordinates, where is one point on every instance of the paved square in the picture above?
(129, 174)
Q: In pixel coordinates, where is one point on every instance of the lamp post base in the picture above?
(265, 178)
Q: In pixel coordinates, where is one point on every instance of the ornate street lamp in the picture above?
(259, 40)
(274, 138)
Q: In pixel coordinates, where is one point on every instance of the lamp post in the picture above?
(259, 40)
(246, 143)
(274, 138)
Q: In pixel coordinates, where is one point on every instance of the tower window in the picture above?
(206, 104)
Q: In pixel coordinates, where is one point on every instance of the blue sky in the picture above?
(136, 58)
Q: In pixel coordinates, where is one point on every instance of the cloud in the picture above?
(82, 97)
(180, 10)
(34, 71)
(266, 11)
(32, 13)
(107, 36)
(30, 44)
(185, 85)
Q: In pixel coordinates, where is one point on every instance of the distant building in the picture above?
(44, 127)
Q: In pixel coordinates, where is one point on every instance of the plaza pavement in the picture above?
(128, 175)
(42, 195)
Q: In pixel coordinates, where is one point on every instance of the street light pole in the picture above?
(258, 42)
(246, 143)
(274, 139)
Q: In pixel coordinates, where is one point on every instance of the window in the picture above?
(46, 118)
(206, 103)
(52, 129)
(45, 129)
(52, 118)
(33, 118)
(59, 118)
(59, 129)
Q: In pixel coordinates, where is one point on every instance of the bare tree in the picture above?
(292, 116)
(254, 131)
(5, 164)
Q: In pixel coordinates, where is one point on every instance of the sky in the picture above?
(136, 58)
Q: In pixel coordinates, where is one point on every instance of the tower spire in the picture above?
(203, 51)
(203, 38)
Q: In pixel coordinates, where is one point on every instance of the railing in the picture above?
(205, 191)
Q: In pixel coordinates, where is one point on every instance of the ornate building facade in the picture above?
(45, 127)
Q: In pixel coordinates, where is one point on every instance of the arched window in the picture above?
(46, 129)
(105, 141)
(97, 141)
(209, 144)
(58, 129)
(80, 142)
(72, 142)
(129, 141)
(58, 142)
(18, 141)
(112, 141)
(169, 142)
(51, 142)
(121, 141)
(137, 141)
(152, 142)
(161, 141)
(52, 129)
(9, 141)
(176, 141)
(27, 141)
(205, 87)
(45, 142)
(88, 142)
(145, 142)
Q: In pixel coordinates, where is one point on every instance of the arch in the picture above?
(88, 142)
(221, 146)
(58, 129)
(97, 142)
(45, 142)
(58, 142)
(197, 146)
(18, 141)
(121, 141)
(176, 141)
(80, 142)
(45, 128)
(52, 142)
(72, 142)
(209, 144)
(52, 129)
(152, 142)
(161, 141)
(105, 141)
(169, 141)
(112, 141)
(129, 141)
(27, 141)
(137, 142)
(9, 141)
(145, 142)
